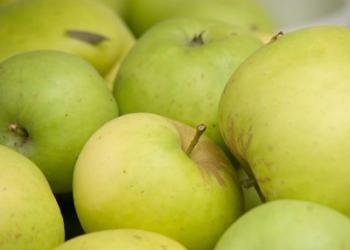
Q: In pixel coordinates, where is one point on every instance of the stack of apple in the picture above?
(214, 121)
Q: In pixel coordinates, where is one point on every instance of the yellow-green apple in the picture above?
(148, 172)
(85, 28)
(122, 239)
(248, 14)
(3, 2)
(285, 115)
(50, 104)
(119, 6)
(288, 225)
(179, 69)
(29, 215)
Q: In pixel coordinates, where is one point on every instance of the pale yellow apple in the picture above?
(134, 172)
(29, 215)
(123, 239)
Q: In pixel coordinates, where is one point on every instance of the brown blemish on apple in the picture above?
(137, 237)
(86, 36)
(254, 27)
(264, 180)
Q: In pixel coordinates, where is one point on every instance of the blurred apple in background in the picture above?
(50, 104)
(29, 214)
(145, 171)
(123, 239)
(179, 69)
(285, 114)
(295, 14)
(248, 14)
(119, 6)
(85, 28)
(288, 224)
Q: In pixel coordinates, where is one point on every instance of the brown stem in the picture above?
(199, 132)
(18, 130)
(198, 40)
(275, 37)
(253, 182)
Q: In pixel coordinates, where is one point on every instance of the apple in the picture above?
(147, 172)
(285, 116)
(288, 225)
(122, 239)
(3, 2)
(119, 6)
(248, 14)
(50, 104)
(85, 28)
(179, 69)
(29, 215)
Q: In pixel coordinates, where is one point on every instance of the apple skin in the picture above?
(134, 173)
(165, 73)
(43, 25)
(285, 115)
(29, 215)
(122, 239)
(60, 100)
(288, 225)
(248, 14)
(119, 6)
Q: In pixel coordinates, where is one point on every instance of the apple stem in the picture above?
(251, 181)
(275, 37)
(198, 40)
(199, 132)
(18, 130)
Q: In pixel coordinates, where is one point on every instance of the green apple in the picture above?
(50, 104)
(285, 115)
(3, 2)
(85, 28)
(119, 6)
(288, 225)
(147, 172)
(179, 69)
(29, 215)
(248, 14)
(122, 239)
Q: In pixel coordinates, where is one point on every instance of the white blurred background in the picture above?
(294, 14)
